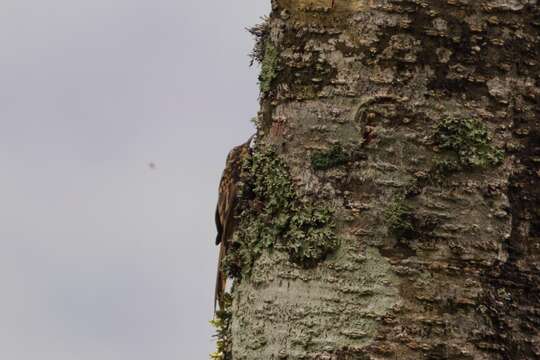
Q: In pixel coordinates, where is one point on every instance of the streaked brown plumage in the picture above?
(225, 210)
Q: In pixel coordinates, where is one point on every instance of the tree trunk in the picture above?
(391, 207)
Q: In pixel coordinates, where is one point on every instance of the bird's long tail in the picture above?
(221, 280)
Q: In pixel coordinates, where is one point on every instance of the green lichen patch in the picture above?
(465, 144)
(324, 160)
(265, 53)
(311, 235)
(273, 217)
(399, 218)
(407, 224)
(269, 67)
(222, 323)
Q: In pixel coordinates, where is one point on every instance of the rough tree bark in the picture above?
(391, 208)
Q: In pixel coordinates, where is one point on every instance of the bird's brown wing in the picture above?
(225, 211)
(224, 217)
(225, 203)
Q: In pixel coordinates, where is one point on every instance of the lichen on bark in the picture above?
(324, 160)
(399, 217)
(436, 105)
(273, 217)
(465, 144)
(269, 67)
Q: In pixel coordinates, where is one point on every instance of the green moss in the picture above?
(273, 217)
(324, 160)
(466, 144)
(269, 67)
(406, 224)
(400, 218)
(222, 324)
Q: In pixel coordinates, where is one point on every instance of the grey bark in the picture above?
(439, 254)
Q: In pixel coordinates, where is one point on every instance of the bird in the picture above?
(229, 185)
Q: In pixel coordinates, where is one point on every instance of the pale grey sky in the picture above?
(101, 256)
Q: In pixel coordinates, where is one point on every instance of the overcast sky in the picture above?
(115, 120)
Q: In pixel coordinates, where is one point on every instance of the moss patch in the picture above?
(222, 323)
(408, 225)
(465, 144)
(324, 160)
(273, 217)
(400, 218)
(269, 67)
